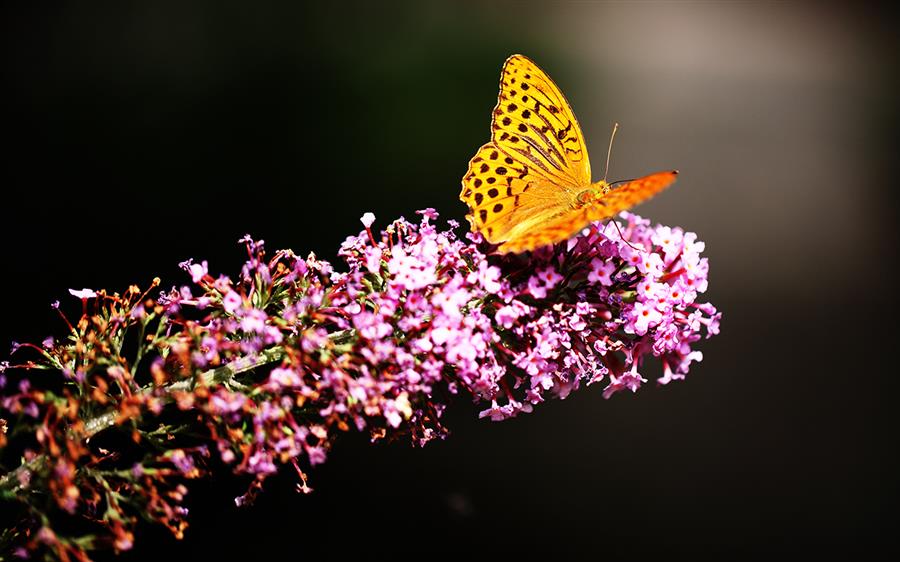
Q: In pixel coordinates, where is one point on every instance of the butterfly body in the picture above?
(531, 185)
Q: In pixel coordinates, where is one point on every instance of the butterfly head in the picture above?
(594, 192)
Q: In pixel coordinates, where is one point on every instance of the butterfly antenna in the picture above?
(609, 150)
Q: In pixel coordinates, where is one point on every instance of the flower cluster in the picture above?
(265, 370)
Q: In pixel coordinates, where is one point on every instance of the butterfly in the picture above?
(531, 185)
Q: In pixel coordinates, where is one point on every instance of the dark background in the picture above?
(139, 136)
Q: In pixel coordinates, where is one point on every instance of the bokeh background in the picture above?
(137, 136)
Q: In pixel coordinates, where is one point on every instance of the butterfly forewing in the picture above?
(566, 224)
(629, 194)
(535, 123)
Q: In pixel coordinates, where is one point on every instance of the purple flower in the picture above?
(509, 410)
(182, 461)
(413, 316)
(261, 463)
(32, 410)
(138, 312)
(224, 402)
(316, 455)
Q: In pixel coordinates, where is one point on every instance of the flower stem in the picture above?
(9, 482)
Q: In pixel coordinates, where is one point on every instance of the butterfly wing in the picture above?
(536, 162)
(534, 121)
(630, 194)
(564, 225)
(550, 230)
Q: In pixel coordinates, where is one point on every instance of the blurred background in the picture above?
(141, 135)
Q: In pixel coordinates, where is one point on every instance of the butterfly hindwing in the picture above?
(553, 229)
(504, 196)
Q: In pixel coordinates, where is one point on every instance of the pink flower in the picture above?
(428, 213)
(645, 316)
(601, 271)
(254, 320)
(650, 265)
(500, 413)
(486, 276)
(666, 340)
(631, 256)
(668, 240)
(373, 260)
(630, 380)
(648, 289)
(549, 277)
(371, 326)
(281, 378)
(507, 315)
(543, 279)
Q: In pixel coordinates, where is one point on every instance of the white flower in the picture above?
(83, 293)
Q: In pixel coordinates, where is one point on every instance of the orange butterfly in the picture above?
(531, 185)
